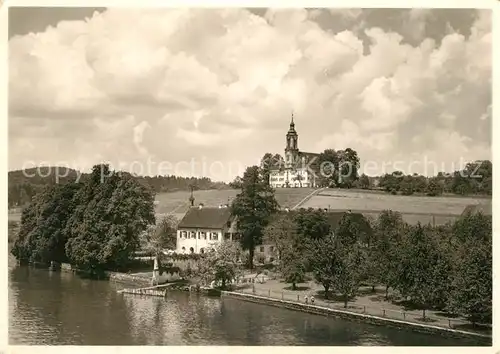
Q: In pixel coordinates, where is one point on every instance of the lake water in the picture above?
(57, 308)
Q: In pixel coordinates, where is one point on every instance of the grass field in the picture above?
(438, 210)
(177, 203)
(414, 208)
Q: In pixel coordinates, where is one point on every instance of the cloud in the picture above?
(220, 85)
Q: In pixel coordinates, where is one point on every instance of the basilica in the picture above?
(298, 168)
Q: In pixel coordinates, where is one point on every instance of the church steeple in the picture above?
(292, 137)
(292, 125)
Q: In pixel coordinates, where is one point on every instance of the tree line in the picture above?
(475, 179)
(95, 225)
(340, 169)
(23, 185)
(446, 267)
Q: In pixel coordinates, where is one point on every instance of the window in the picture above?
(262, 249)
(183, 234)
(203, 235)
(193, 234)
(227, 236)
(214, 236)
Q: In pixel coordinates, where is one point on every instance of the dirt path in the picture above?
(306, 198)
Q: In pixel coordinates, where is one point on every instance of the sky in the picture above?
(207, 92)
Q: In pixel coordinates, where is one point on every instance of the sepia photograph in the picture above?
(239, 176)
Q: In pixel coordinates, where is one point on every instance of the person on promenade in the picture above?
(312, 299)
(306, 299)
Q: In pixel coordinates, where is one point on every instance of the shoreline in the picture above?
(359, 317)
(184, 286)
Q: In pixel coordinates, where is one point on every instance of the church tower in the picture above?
(291, 149)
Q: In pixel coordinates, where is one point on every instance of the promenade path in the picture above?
(307, 197)
(366, 302)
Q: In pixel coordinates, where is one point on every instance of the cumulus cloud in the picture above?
(219, 85)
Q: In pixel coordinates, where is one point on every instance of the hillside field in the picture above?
(177, 203)
(438, 210)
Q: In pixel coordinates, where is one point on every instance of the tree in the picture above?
(419, 183)
(471, 293)
(478, 175)
(163, 235)
(353, 229)
(113, 210)
(406, 186)
(348, 167)
(364, 182)
(460, 183)
(324, 261)
(419, 271)
(236, 183)
(391, 182)
(292, 266)
(42, 236)
(348, 273)
(312, 223)
(266, 164)
(433, 188)
(328, 162)
(473, 226)
(280, 232)
(221, 265)
(389, 230)
(349, 256)
(253, 207)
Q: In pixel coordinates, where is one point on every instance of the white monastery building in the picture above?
(296, 171)
(203, 228)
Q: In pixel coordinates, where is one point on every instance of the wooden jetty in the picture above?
(144, 291)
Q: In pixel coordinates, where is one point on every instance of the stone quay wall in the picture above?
(352, 316)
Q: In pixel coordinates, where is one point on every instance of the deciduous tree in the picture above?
(389, 230)
(253, 207)
(42, 236)
(364, 182)
(312, 223)
(221, 264)
(324, 261)
(292, 266)
(113, 210)
(280, 232)
(471, 293)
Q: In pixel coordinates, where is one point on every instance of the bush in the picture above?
(137, 265)
(183, 257)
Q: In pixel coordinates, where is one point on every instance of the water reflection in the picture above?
(61, 308)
